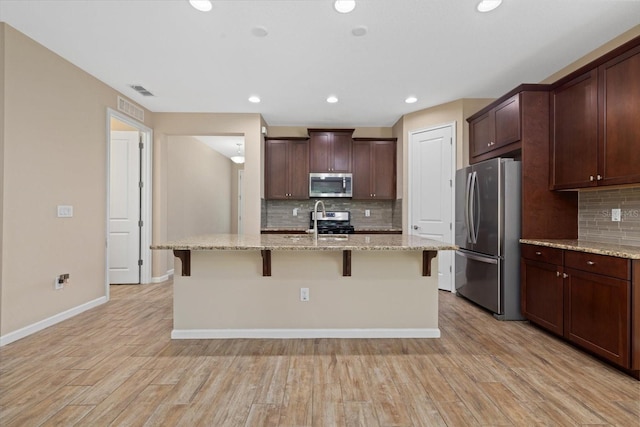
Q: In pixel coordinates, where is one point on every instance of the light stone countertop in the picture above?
(326, 242)
(622, 251)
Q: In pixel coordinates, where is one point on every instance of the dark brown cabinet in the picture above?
(330, 150)
(595, 131)
(542, 293)
(286, 168)
(586, 298)
(574, 127)
(374, 168)
(494, 129)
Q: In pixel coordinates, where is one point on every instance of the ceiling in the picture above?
(436, 50)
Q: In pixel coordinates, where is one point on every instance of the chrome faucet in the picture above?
(315, 218)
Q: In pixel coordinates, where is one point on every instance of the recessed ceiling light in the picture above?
(201, 5)
(488, 5)
(259, 31)
(344, 6)
(254, 99)
(332, 99)
(359, 31)
(411, 99)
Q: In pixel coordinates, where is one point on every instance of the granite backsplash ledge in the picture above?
(384, 214)
(594, 216)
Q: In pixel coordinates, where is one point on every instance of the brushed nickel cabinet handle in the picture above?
(599, 177)
(590, 177)
(590, 262)
(557, 274)
(565, 275)
(538, 253)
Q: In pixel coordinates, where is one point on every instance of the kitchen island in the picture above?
(250, 286)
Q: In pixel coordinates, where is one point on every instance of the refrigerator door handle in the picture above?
(473, 238)
(486, 260)
(467, 219)
(476, 207)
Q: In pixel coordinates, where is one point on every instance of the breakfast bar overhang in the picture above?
(359, 286)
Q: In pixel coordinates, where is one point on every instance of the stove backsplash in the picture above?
(594, 216)
(385, 214)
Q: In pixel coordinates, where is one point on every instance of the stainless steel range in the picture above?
(333, 222)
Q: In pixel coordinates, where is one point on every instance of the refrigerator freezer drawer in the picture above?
(478, 279)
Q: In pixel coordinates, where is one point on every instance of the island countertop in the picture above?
(298, 242)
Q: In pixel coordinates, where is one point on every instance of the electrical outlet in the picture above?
(295, 211)
(615, 215)
(304, 294)
(58, 283)
(367, 212)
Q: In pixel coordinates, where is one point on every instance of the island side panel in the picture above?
(227, 291)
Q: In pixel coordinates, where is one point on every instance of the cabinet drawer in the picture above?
(542, 254)
(598, 264)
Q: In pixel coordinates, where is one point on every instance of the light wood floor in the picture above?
(116, 365)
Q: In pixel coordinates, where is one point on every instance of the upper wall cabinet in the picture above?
(496, 131)
(595, 125)
(286, 168)
(374, 168)
(330, 150)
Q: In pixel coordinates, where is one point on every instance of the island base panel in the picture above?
(386, 295)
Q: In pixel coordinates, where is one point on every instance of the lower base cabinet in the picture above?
(588, 299)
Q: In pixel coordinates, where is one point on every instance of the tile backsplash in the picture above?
(594, 216)
(384, 214)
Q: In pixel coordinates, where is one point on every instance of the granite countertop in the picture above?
(622, 251)
(357, 229)
(356, 242)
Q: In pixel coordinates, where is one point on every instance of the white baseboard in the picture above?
(183, 334)
(164, 278)
(50, 321)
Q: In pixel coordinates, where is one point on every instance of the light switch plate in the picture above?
(65, 211)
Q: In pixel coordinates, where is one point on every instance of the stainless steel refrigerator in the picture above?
(488, 231)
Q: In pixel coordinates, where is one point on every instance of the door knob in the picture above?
(415, 227)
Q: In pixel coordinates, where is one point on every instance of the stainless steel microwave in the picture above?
(330, 185)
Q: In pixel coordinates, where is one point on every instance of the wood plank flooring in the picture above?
(116, 365)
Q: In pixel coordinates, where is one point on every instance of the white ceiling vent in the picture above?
(130, 109)
(141, 90)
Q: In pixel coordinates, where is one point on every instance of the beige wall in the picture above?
(55, 127)
(621, 39)
(198, 189)
(2, 159)
(175, 124)
(235, 168)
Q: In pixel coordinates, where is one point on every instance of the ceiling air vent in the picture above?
(141, 90)
(130, 109)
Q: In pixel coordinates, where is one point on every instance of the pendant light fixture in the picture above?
(238, 158)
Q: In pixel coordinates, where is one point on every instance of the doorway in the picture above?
(431, 191)
(128, 201)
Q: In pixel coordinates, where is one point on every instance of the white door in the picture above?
(124, 207)
(431, 175)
